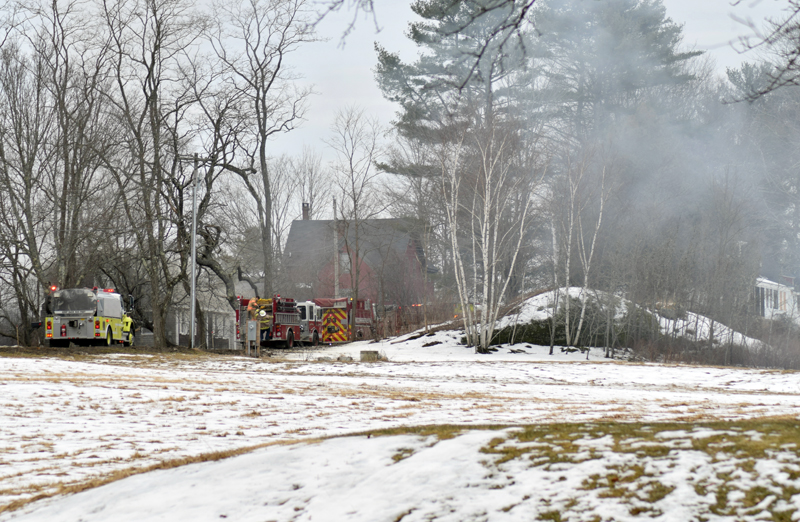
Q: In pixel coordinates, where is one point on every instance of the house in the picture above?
(774, 300)
(321, 258)
(220, 319)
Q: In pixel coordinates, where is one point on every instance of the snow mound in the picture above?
(691, 326)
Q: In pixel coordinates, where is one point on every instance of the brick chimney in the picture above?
(306, 211)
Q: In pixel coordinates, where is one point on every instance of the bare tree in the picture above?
(310, 181)
(357, 144)
(253, 42)
(220, 126)
(507, 21)
(781, 40)
(81, 195)
(150, 42)
(25, 213)
(54, 122)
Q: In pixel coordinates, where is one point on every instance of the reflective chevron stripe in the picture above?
(334, 326)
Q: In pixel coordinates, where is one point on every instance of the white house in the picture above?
(774, 300)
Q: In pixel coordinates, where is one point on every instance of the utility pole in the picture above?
(194, 247)
(335, 252)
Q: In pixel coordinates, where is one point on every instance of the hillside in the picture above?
(686, 326)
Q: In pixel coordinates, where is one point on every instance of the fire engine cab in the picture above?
(310, 322)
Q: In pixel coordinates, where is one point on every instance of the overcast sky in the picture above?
(342, 73)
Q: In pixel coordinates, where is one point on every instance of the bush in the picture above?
(534, 332)
(635, 327)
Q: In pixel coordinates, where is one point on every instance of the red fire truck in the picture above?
(310, 322)
(336, 315)
(278, 320)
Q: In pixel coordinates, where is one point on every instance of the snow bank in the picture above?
(691, 326)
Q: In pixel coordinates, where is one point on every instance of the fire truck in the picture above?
(278, 320)
(310, 322)
(87, 316)
(336, 315)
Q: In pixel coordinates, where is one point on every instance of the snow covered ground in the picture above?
(66, 423)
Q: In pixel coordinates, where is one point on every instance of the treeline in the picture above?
(111, 113)
(537, 145)
(592, 149)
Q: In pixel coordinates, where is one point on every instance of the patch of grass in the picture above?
(740, 444)
(657, 491)
(720, 507)
(440, 431)
(402, 453)
(638, 510)
(755, 496)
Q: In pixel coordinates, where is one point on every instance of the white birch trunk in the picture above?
(489, 240)
(450, 190)
(586, 260)
(556, 289)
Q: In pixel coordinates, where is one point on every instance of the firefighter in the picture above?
(128, 327)
(252, 308)
(262, 308)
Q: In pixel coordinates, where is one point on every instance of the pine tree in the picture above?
(598, 61)
(460, 74)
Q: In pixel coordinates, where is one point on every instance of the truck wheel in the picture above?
(109, 338)
(315, 339)
(130, 340)
(289, 339)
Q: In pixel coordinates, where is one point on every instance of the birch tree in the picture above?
(580, 198)
(476, 199)
(568, 205)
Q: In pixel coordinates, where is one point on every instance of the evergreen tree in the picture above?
(463, 71)
(598, 61)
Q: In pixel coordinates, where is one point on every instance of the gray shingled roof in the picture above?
(310, 241)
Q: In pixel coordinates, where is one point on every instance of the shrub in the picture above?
(636, 326)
